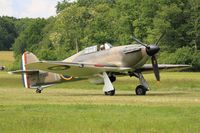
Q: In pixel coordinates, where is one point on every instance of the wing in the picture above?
(148, 67)
(74, 69)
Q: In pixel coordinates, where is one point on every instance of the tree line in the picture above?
(92, 22)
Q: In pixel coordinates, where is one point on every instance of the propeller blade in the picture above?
(155, 67)
(138, 41)
(160, 38)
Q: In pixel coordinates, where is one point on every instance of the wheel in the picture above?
(38, 91)
(110, 93)
(140, 90)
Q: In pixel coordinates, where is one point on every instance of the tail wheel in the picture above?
(140, 90)
(38, 91)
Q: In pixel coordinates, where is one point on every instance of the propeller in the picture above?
(138, 41)
(155, 67)
(152, 50)
(160, 37)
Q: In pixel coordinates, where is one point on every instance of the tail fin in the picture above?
(35, 78)
(28, 58)
(28, 79)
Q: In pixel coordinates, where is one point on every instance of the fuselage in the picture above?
(96, 64)
(133, 56)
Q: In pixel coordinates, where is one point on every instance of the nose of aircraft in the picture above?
(152, 49)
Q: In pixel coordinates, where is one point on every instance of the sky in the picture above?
(28, 8)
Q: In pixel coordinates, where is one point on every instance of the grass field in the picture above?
(6, 58)
(173, 105)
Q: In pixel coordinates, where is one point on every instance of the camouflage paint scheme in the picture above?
(91, 63)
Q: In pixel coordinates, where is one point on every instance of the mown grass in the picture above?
(98, 118)
(82, 107)
(6, 58)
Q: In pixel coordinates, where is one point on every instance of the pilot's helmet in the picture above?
(102, 47)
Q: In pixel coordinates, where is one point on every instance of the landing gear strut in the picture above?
(108, 88)
(143, 87)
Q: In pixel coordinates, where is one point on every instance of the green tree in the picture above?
(193, 29)
(84, 23)
(30, 37)
(7, 32)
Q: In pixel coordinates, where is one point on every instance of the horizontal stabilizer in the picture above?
(41, 86)
(30, 72)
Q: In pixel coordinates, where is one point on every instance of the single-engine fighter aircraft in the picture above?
(99, 65)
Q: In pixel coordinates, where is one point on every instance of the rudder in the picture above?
(27, 79)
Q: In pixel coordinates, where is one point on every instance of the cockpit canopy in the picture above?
(95, 48)
(90, 49)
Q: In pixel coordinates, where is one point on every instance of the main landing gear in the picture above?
(108, 88)
(143, 87)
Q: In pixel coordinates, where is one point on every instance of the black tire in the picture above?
(110, 93)
(38, 91)
(140, 90)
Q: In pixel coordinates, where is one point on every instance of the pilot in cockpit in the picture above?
(105, 46)
(102, 47)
